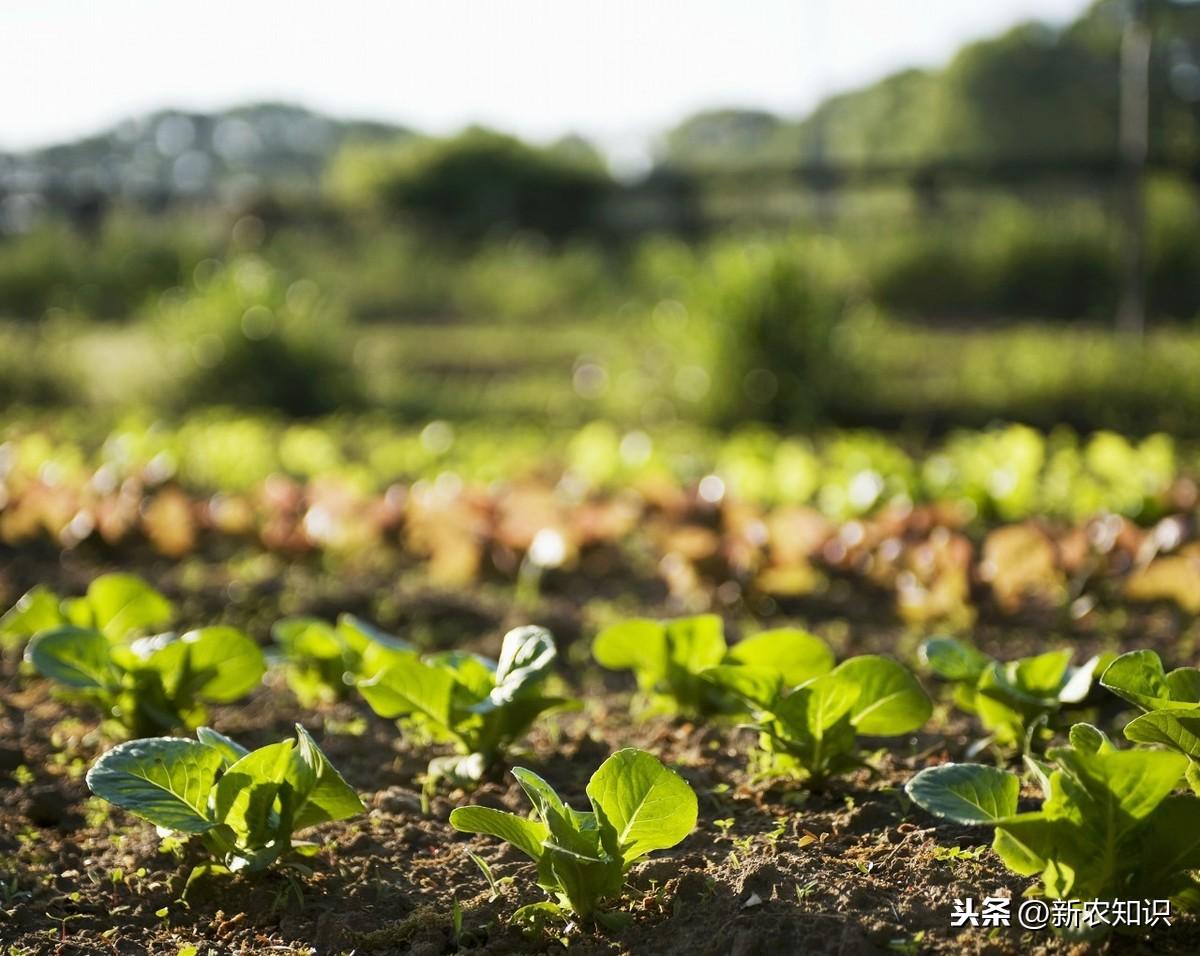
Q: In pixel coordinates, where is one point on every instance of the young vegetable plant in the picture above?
(480, 706)
(810, 730)
(637, 806)
(245, 805)
(323, 661)
(1109, 827)
(669, 658)
(1012, 698)
(1170, 702)
(120, 606)
(152, 684)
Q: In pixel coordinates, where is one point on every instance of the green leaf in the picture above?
(526, 656)
(1041, 676)
(649, 806)
(1138, 677)
(36, 610)
(307, 638)
(330, 798)
(795, 654)
(1179, 730)
(1027, 840)
(75, 656)
(231, 750)
(526, 835)
(223, 664)
(639, 645)
(1111, 790)
(890, 700)
(1088, 738)
(123, 605)
(166, 780)
(1184, 685)
(361, 635)
(246, 794)
(951, 659)
(1171, 843)
(408, 686)
(759, 686)
(694, 643)
(968, 793)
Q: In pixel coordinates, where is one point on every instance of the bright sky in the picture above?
(617, 70)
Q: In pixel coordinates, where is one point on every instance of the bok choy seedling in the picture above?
(323, 661)
(809, 716)
(120, 606)
(245, 805)
(152, 684)
(670, 657)
(1109, 827)
(1012, 698)
(582, 856)
(479, 705)
(1170, 702)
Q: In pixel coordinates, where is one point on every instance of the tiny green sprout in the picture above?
(245, 805)
(483, 707)
(725, 824)
(23, 775)
(494, 884)
(955, 854)
(637, 806)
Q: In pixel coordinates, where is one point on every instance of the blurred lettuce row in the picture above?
(1002, 474)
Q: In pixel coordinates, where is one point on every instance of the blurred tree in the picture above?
(478, 183)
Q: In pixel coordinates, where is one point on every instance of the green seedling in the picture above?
(152, 684)
(637, 806)
(811, 730)
(1012, 698)
(1170, 702)
(669, 658)
(120, 606)
(244, 805)
(1109, 827)
(323, 661)
(480, 706)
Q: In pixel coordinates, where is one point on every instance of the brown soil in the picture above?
(853, 869)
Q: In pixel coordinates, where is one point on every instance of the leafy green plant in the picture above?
(152, 684)
(1109, 827)
(322, 661)
(637, 806)
(479, 705)
(245, 805)
(810, 730)
(669, 658)
(120, 606)
(1011, 698)
(1170, 702)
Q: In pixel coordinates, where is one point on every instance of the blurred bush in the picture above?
(769, 314)
(476, 184)
(1006, 261)
(108, 275)
(242, 335)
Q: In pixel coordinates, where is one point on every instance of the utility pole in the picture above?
(1135, 148)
